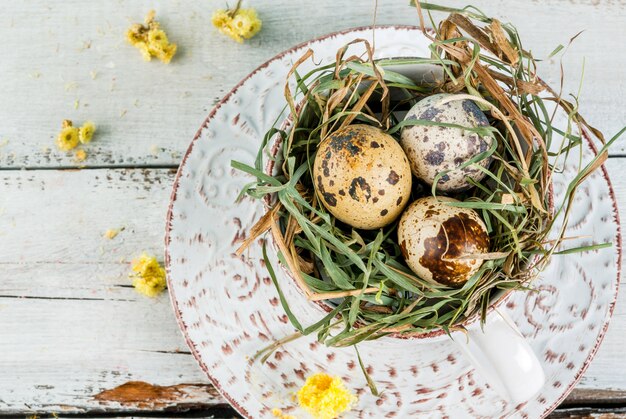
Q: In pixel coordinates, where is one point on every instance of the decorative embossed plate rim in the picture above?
(174, 282)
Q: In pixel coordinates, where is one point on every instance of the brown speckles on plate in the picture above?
(220, 321)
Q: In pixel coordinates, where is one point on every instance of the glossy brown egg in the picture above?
(362, 176)
(436, 239)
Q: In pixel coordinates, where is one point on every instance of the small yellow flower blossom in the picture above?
(221, 18)
(80, 155)
(239, 24)
(135, 33)
(277, 413)
(148, 276)
(151, 40)
(157, 37)
(85, 133)
(325, 397)
(111, 233)
(68, 137)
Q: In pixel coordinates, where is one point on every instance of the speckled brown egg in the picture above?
(362, 176)
(434, 237)
(434, 149)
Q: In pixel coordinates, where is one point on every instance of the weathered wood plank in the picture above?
(71, 326)
(582, 397)
(589, 413)
(151, 397)
(64, 60)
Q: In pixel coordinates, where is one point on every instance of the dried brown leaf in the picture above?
(260, 227)
(500, 39)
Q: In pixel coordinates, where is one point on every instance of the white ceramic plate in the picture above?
(228, 308)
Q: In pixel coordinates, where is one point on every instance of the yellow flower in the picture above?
(148, 275)
(111, 233)
(277, 413)
(149, 19)
(241, 24)
(67, 138)
(325, 397)
(157, 37)
(163, 52)
(238, 24)
(168, 53)
(229, 30)
(134, 34)
(220, 18)
(85, 133)
(80, 155)
(247, 23)
(151, 40)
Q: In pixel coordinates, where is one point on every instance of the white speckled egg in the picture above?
(433, 236)
(433, 149)
(362, 176)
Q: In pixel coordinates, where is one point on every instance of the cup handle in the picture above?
(503, 357)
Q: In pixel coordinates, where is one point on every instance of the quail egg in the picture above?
(438, 240)
(434, 149)
(362, 176)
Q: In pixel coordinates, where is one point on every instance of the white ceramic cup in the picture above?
(503, 357)
(497, 349)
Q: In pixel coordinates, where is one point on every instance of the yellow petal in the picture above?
(67, 138)
(85, 133)
(325, 397)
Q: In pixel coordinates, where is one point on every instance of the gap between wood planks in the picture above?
(205, 402)
(95, 167)
(140, 166)
(225, 411)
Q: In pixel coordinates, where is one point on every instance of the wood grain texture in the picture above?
(589, 413)
(71, 325)
(68, 60)
(74, 335)
(581, 397)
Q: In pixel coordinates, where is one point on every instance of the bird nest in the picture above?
(361, 275)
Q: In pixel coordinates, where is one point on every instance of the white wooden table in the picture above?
(72, 329)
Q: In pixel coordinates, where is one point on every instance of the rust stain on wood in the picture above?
(146, 395)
